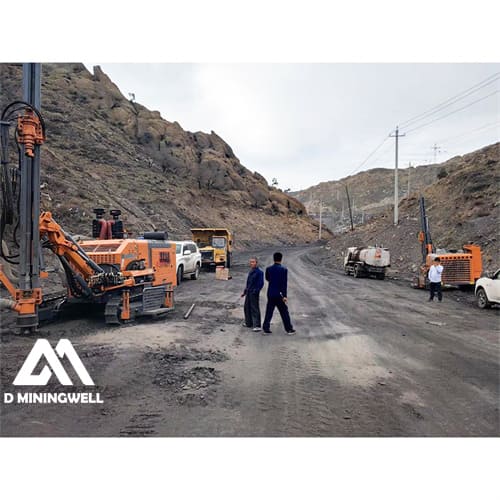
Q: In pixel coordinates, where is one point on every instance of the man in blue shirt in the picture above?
(255, 283)
(277, 275)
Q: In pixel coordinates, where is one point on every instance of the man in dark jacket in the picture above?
(277, 275)
(255, 283)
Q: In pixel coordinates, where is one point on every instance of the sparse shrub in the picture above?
(442, 173)
(146, 138)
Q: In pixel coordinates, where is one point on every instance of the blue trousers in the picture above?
(252, 310)
(435, 289)
(273, 302)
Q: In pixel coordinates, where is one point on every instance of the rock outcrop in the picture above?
(104, 150)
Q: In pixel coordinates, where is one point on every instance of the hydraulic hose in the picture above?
(83, 255)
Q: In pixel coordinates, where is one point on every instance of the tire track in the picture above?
(295, 402)
(141, 425)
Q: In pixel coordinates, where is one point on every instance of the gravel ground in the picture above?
(370, 358)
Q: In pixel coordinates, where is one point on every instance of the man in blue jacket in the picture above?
(255, 283)
(277, 275)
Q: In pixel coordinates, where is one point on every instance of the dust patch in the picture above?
(351, 360)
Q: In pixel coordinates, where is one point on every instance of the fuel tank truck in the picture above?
(367, 261)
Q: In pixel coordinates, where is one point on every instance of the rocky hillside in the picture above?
(463, 207)
(103, 150)
(371, 192)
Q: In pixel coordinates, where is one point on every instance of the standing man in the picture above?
(435, 279)
(277, 275)
(255, 283)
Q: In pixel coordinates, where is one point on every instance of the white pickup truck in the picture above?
(188, 260)
(488, 290)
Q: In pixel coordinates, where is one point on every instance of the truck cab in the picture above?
(216, 246)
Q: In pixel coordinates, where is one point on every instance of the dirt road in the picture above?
(365, 362)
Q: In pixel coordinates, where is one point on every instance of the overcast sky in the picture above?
(307, 123)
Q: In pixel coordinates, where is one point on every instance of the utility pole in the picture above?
(409, 167)
(397, 135)
(320, 218)
(349, 204)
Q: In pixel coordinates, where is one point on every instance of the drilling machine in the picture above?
(127, 277)
(459, 268)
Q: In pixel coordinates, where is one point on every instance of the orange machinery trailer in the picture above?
(460, 268)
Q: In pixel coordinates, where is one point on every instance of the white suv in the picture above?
(188, 260)
(488, 290)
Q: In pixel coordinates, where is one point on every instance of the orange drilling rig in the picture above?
(460, 268)
(127, 277)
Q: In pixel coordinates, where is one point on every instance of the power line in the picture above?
(483, 127)
(449, 141)
(440, 108)
(452, 100)
(436, 109)
(456, 144)
(414, 156)
(453, 112)
(383, 154)
(369, 156)
(352, 173)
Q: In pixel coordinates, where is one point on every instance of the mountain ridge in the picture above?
(371, 192)
(462, 207)
(104, 150)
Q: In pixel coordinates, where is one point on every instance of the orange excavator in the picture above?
(128, 277)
